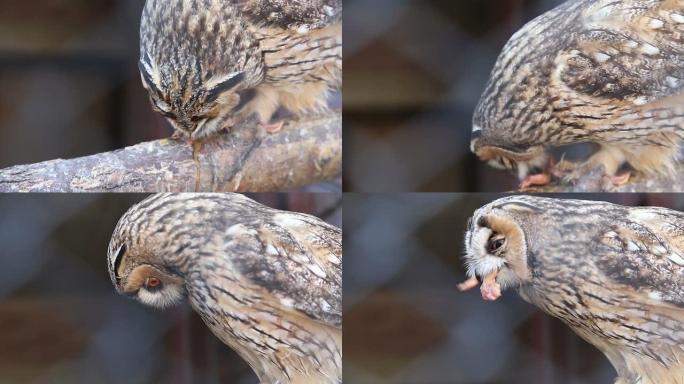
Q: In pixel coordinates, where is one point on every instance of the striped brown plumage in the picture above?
(602, 71)
(268, 283)
(208, 64)
(614, 274)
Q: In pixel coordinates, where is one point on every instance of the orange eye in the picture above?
(152, 282)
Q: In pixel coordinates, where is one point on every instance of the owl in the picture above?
(209, 64)
(268, 283)
(614, 274)
(598, 71)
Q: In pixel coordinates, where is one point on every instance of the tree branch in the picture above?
(245, 160)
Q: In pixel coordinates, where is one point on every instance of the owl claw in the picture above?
(490, 289)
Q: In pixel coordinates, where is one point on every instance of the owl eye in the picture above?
(495, 244)
(152, 283)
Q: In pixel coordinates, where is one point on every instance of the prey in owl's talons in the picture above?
(490, 289)
(620, 180)
(538, 179)
(542, 177)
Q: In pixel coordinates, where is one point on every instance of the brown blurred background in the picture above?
(406, 323)
(70, 84)
(61, 320)
(413, 73)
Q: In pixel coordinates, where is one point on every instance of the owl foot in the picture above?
(273, 127)
(469, 284)
(537, 179)
(490, 289)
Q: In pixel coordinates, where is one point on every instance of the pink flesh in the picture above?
(538, 179)
(621, 179)
(490, 289)
(275, 127)
(468, 284)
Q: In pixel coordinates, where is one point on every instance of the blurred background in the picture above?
(61, 320)
(70, 80)
(414, 71)
(405, 322)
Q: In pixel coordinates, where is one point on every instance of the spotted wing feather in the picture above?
(298, 259)
(292, 14)
(619, 45)
(647, 253)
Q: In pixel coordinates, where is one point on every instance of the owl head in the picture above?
(158, 241)
(135, 272)
(523, 161)
(135, 259)
(496, 244)
(199, 63)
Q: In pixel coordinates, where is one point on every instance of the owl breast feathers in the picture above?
(209, 64)
(268, 283)
(601, 71)
(614, 274)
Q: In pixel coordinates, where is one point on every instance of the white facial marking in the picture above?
(167, 296)
(478, 261)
